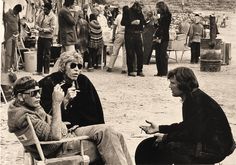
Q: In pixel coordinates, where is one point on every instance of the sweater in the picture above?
(17, 123)
(95, 33)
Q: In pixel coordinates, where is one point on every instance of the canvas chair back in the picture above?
(28, 137)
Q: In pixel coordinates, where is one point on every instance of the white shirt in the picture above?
(120, 28)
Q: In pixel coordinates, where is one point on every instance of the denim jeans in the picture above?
(110, 145)
(10, 54)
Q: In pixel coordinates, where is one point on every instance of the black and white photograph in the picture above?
(128, 82)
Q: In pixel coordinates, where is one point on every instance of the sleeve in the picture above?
(142, 19)
(46, 95)
(42, 128)
(125, 19)
(96, 100)
(37, 22)
(53, 22)
(192, 129)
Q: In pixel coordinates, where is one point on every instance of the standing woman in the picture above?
(162, 38)
(95, 42)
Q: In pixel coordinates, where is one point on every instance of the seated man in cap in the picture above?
(81, 104)
(110, 144)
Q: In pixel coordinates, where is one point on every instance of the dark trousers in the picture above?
(161, 58)
(170, 153)
(44, 54)
(93, 57)
(134, 48)
(195, 52)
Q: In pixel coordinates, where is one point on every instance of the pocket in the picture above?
(70, 37)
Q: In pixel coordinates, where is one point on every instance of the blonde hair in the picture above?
(69, 56)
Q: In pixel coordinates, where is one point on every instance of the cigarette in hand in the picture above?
(62, 83)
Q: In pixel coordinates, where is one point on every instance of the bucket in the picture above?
(30, 61)
(210, 58)
(210, 65)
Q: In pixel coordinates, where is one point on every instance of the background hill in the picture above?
(176, 5)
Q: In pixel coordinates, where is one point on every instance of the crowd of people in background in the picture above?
(89, 28)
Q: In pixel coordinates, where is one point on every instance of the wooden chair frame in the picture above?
(82, 158)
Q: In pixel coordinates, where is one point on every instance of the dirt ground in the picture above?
(129, 101)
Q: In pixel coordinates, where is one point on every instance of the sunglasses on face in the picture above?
(34, 93)
(73, 65)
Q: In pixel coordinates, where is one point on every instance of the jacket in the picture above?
(67, 27)
(85, 109)
(41, 121)
(204, 122)
(48, 23)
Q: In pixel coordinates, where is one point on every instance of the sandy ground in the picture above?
(129, 101)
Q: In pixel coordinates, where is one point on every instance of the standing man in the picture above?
(67, 19)
(11, 21)
(118, 38)
(133, 20)
(203, 137)
(195, 34)
(45, 24)
(162, 38)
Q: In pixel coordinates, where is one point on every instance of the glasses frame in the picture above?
(34, 93)
(73, 65)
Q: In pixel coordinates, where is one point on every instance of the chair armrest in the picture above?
(65, 140)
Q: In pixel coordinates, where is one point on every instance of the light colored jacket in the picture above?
(47, 23)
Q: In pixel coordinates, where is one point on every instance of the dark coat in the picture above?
(67, 33)
(85, 109)
(131, 15)
(204, 122)
(163, 27)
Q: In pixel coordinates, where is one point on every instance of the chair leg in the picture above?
(176, 57)
(182, 55)
(3, 95)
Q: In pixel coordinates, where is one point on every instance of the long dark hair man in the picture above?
(162, 38)
(203, 137)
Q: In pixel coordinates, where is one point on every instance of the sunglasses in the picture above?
(73, 65)
(34, 93)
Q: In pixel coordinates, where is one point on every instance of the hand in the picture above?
(58, 94)
(150, 129)
(157, 40)
(159, 138)
(71, 92)
(135, 22)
